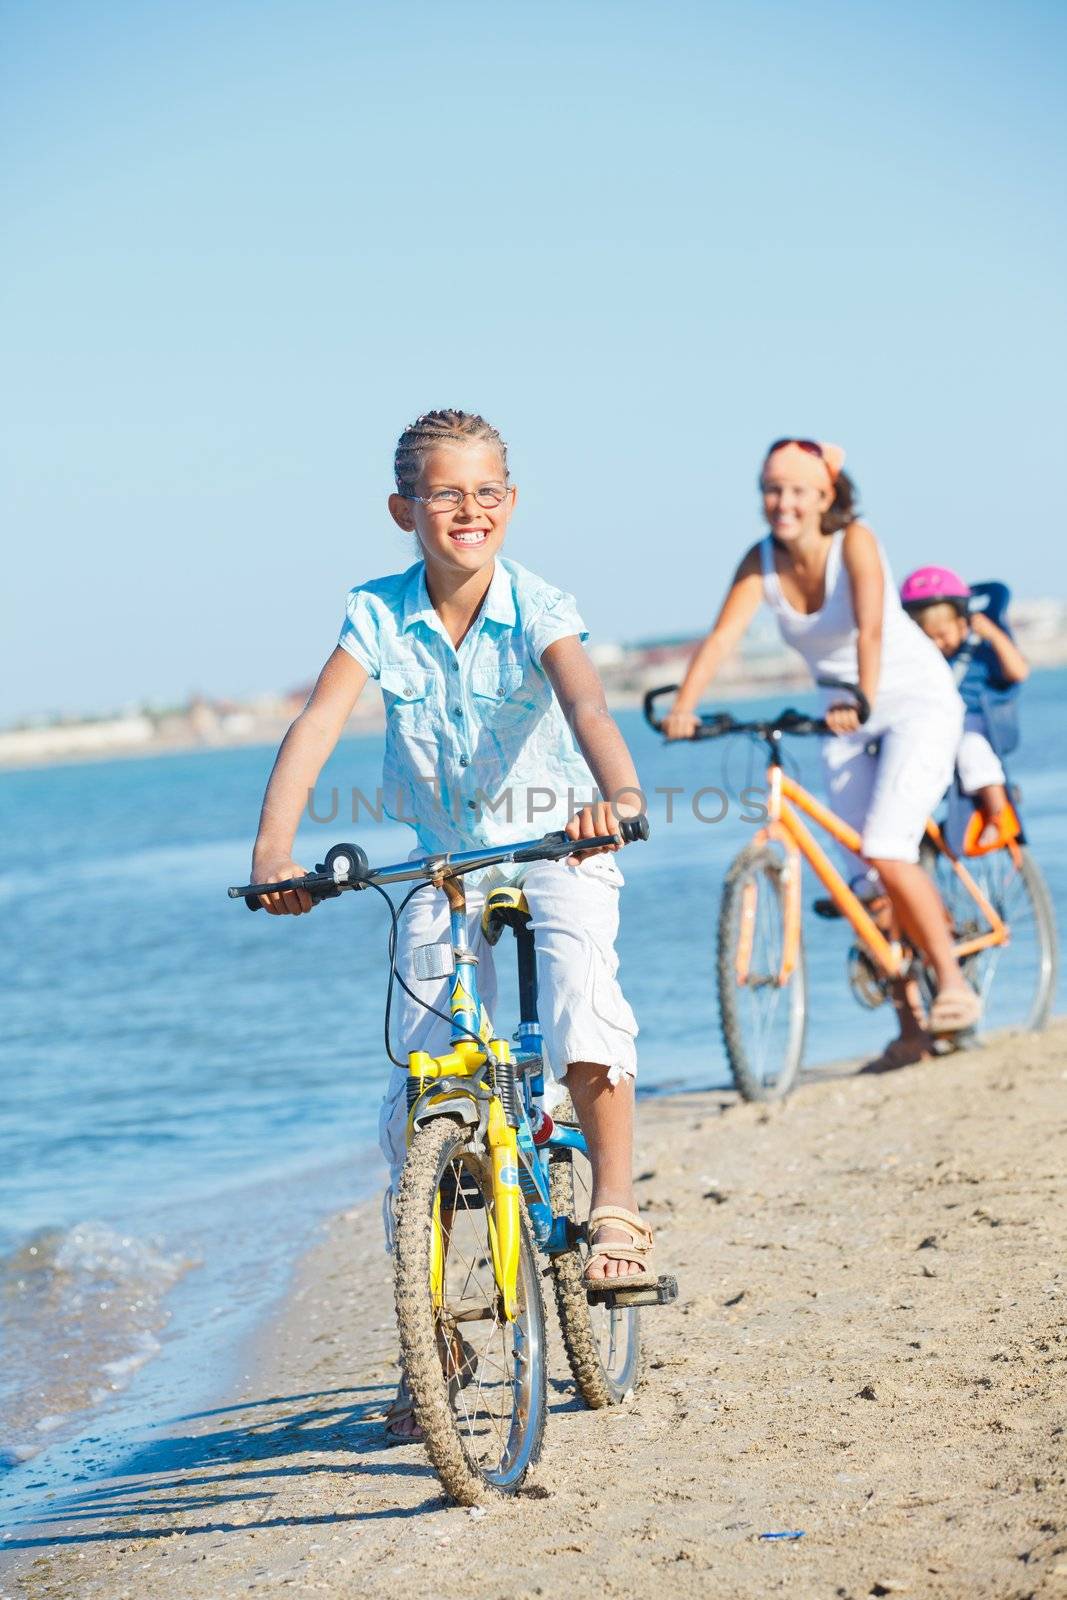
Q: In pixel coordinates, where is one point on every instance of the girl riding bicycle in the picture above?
(826, 578)
(495, 718)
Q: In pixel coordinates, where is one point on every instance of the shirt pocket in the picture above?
(498, 695)
(409, 696)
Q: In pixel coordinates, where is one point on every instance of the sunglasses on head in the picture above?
(812, 446)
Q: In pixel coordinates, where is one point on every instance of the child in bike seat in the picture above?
(496, 730)
(988, 668)
(825, 576)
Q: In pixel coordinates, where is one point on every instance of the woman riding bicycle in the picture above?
(825, 576)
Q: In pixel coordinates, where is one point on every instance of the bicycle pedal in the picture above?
(661, 1293)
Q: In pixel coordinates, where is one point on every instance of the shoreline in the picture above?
(261, 730)
(868, 1348)
(369, 720)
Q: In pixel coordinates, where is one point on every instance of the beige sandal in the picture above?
(955, 1011)
(639, 1249)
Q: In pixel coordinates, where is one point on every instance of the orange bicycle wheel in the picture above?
(1017, 981)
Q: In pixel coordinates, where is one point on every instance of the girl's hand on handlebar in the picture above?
(594, 821)
(275, 869)
(843, 718)
(680, 724)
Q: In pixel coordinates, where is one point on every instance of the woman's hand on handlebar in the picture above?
(843, 718)
(592, 822)
(680, 724)
(275, 869)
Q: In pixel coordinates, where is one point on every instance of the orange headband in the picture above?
(808, 451)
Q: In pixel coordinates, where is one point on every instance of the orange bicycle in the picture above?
(760, 957)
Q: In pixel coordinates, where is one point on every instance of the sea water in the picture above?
(190, 1089)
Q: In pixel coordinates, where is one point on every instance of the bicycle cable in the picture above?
(395, 913)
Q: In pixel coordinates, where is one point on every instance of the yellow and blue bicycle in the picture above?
(489, 1179)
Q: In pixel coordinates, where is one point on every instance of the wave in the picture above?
(81, 1310)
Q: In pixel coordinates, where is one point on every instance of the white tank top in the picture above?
(911, 663)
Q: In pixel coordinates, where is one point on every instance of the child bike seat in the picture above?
(505, 908)
(993, 599)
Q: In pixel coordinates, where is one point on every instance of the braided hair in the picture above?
(440, 427)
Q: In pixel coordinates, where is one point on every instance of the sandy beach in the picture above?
(869, 1348)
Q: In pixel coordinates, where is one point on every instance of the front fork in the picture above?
(503, 1216)
(791, 910)
(504, 1219)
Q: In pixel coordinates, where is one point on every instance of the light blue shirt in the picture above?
(477, 749)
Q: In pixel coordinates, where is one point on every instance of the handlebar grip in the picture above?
(318, 886)
(863, 705)
(316, 896)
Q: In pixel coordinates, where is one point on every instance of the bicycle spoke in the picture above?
(1013, 979)
(762, 1016)
(766, 992)
(486, 1386)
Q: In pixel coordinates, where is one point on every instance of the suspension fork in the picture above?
(503, 1215)
(469, 1017)
(504, 1224)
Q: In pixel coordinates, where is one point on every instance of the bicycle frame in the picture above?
(498, 1112)
(786, 799)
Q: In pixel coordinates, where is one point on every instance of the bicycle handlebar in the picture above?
(714, 725)
(346, 865)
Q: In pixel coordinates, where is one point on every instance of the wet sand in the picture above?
(869, 1347)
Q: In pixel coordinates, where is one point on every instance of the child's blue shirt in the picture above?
(477, 749)
(979, 671)
(986, 692)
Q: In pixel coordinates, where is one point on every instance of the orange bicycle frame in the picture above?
(786, 799)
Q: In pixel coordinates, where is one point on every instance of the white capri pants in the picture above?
(584, 1016)
(887, 797)
(976, 761)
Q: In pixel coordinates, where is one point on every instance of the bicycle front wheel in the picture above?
(1017, 980)
(478, 1382)
(763, 1020)
(603, 1345)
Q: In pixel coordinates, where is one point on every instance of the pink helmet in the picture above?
(929, 586)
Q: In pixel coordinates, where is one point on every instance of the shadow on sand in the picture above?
(180, 1483)
(235, 1460)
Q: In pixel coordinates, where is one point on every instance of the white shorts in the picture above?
(584, 1016)
(887, 797)
(976, 760)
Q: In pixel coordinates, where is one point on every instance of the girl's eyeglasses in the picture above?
(488, 496)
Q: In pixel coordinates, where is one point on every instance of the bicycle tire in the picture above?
(1016, 888)
(467, 1474)
(602, 1379)
(752, 1060)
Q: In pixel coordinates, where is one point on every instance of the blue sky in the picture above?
(247, 242)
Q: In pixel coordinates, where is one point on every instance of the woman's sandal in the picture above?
(955, 1011)
(639, 1248)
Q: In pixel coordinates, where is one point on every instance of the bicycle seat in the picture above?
(504, 908)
